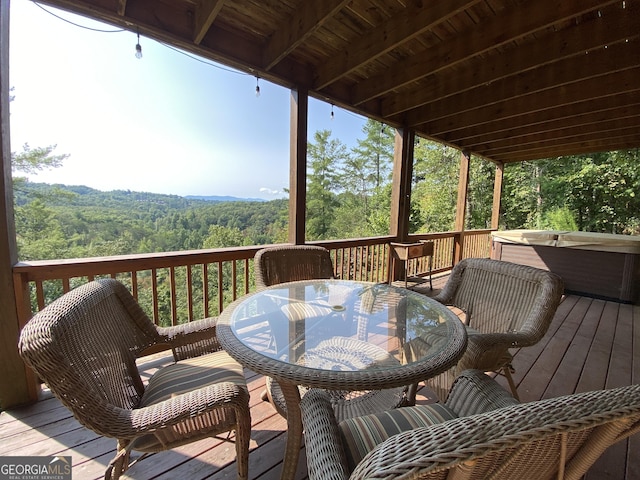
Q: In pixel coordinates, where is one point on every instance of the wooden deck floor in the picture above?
(590, 345)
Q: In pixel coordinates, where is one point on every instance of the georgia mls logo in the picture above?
(35, 468)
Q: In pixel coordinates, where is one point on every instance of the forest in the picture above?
(348, 196)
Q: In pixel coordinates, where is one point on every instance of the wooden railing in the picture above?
(176, 287)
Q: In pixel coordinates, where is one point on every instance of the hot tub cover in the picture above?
(603, 242)
(547, 238)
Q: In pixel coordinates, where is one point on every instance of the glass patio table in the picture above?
(343, 336)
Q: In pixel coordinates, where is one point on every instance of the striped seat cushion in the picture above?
(182, 377)
(191, 374)
(361, 434)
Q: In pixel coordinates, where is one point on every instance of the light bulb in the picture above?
(138, 48)
(257, 87)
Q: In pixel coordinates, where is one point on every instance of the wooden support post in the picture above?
(461, 208)
(17, 383)
(497, 195)
(298, 166)
(401, 188)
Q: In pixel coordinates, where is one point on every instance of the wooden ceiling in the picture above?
(508, 80)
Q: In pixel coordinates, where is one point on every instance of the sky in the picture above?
(169, 122)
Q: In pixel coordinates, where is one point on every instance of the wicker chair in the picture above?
(480, 432)
(274, 265)
(289, 263)
(84, 347)
(504, 305)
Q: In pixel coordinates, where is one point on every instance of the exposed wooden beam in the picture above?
(298, 166)
(122, 7)
(616, 25)
(584, 148)
(510, 25)
(497, 195)
(401, 186)
(548, 148)
(206, 13)
(17, 383)
(415, 19)
(556, 118)
(617, 58)
(461, 204)
(602, 129)
(590, 89)
(305, 21)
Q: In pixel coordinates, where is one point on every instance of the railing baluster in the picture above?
(234, 279)
(172, 287)
(205, 289)
(154, 289)
(362, 259)
(247, 274)
(220, 288)
(39, 294)
(134, 284)
(189, 293)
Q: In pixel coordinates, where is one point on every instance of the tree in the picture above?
(480, 195)
(435, 186)
(325, 157)
(604, 192)
(596, 193)
(365, 177)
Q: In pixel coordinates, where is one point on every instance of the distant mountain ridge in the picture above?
(92, 194)
(222, 198)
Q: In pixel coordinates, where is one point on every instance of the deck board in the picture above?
(590, 345)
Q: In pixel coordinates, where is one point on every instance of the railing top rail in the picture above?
(77, 267)
(53, 269)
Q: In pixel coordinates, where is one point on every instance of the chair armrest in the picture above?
(475, 392)
(489, 351)
(191, 339)
(181, 408)
(325, 455)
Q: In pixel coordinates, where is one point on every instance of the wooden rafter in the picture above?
(580, 113)
(206, 12)
(618, 25)
(411, 22)
(306, 20)
(122, 7)
(569, 74)
(507, 27)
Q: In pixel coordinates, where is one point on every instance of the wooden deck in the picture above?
(590, 345)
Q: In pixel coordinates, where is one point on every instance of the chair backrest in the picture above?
(290, 263)
(501, 297)
(529, 440)
(84, 347)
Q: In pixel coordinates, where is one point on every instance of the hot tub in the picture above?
(600, 265)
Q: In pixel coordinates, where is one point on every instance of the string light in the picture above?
(138, 48)
(257, 87)
(332, 115)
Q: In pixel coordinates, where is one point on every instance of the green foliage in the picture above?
(435, 187)
(32, 160)
(559, 218)
(480, 194)
(348, 196)
(596, 193)
(83, 222)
